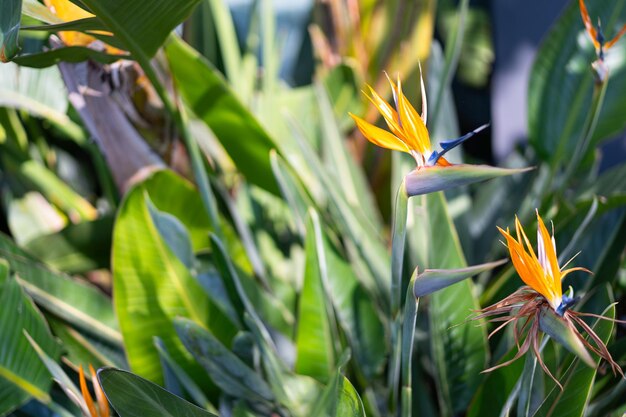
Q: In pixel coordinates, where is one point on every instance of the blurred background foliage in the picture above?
(204, 216)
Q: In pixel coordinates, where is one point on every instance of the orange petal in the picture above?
(588, 25)
(443, 162)
(388, 112)
(616, 38)
(579, 268)
(415, 132)
(550, 251)
(379, 136)
(529, 270)
(86, 394)
(103, 403)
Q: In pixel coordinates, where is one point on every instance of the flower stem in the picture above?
(197, 164)
(591, 122)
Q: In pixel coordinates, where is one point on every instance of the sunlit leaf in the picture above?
(133, 396)
(432, 280)
(436, 178)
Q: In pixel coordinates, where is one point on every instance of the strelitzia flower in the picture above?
(408, 128)
(598, 39)
(86, 404)
(541, 305)
(408, 133)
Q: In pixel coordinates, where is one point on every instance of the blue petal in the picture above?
(450, 144)
(566, 302)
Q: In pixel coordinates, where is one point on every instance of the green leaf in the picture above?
(368, 247)
(185, 380)
(406, 351)
(79, 303)
(227, 38)
(151, 285)
(228, 372)
(492, 395)
(211, 99)
(82, 25)
(341, 164)
(21, 372)
(339, 398)
(141, 25)
(173, 233)
(31, 216)
(39, 92)
(77, 248)
(84, 349)
(561, 83)
(292, 190)
(315, 333)
(59, 375)
(9, 28)
(577, 379)
(133, 396)
(437, 178)
(459, 348)
(57, 191)
(355, 311)
(66, 54)
(432, 280)
(36, 10)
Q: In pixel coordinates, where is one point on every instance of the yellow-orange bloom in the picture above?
(408, 132)
(541, 272)
(596, 35)
(541, 307)
(68, 11)
(101, 408)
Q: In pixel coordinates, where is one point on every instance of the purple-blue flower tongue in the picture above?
(450, 144)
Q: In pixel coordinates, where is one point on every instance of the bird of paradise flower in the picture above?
(101, 407)
(408, 133)
(533, 307)
(408, 128)
(599, 41)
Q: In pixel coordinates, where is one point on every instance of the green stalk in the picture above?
(197, 163)
(397, 260)
(408, 335)
(591, 122)
(397, 247)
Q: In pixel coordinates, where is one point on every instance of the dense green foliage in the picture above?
(219, 243)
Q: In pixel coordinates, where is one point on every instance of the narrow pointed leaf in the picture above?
(436, 178)
(185, 380)
(133, 396)
(432, 280)
(315, 339)
(151, 285)
(79, 303)
(228, 372)
(459, 348)
(58, 374)
(339, 398)
(212, 100)
(559, 330)
(21, 372)
(141, 25)
(577, 379)
(67, 54)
